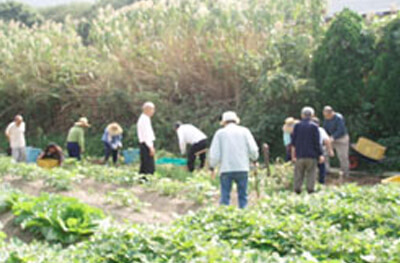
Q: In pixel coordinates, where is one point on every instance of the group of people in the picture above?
(310, 146)
(233, 147)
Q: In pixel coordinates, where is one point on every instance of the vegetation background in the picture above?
(195, 59)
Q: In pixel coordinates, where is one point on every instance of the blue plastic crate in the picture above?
(172, 161)
(131, 155)
(32, 154)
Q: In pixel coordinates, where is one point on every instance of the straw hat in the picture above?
(114, 129)
(290, 121)
(83, 122)
(229, 116)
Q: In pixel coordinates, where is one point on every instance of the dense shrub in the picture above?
(385, 85)
(18, 12)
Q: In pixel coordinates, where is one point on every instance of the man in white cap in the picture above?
(146, 139)
(306, 151)
(15, 134)
(232, 148)
(189, 134)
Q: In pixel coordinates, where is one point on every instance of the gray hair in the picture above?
(307, 111)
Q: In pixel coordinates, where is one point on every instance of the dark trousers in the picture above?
(74, 150)
(322, 172)
(147, 165)
(288, 157)
(110, 151)
(200, 146)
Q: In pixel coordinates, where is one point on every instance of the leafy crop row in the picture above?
(347, 224)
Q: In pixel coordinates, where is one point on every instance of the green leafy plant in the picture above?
(124, 197)
(57, 218)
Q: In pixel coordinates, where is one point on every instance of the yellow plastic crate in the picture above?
(370, 149)
(47, 163)
(393, 179)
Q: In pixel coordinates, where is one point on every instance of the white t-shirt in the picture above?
(188, 134)
(323, 135)
(17, 135)
(145, 130)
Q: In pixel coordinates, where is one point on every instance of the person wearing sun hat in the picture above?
(287, 136)
(76, 138)
(232, 149)
(112, 139)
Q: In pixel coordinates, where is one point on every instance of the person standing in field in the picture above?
(335, 126)
(112, 139)
(76, 138)
(306, 151)
(232, 148)
(15, 134)
(146, 139)
(287, 136)
(326, 145)
(189, 134)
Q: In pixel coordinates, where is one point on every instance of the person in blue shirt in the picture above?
(112, 139)
(306, 151)
(335, 126)
(287, 136)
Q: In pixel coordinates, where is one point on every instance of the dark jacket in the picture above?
(305, 139)
(336, 127)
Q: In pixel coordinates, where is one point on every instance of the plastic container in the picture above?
(131, 155)
(394, 179)
(173, 161)
(370, 149)
(48, 163)
(32, 154)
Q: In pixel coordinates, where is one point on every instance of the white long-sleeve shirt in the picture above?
(189, 134)
(16, 134)
(145, 131)
(232, 148)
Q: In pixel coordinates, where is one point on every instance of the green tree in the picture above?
(385, 80)
(342, 62)
(15, 11)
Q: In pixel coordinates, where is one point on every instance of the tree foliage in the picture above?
(15, 11)
(385, 83)
(342, 62)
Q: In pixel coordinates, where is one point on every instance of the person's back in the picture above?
(306, 140)
(232, 148)
(191, 134)
(236, 147)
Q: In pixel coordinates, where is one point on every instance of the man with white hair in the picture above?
(232, 148)
(146, 139)
(306, 151)
(15, 134)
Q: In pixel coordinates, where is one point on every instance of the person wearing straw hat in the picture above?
(112, 139)
(15, 134)
(232, 149)
(76, 138)
(146, 138)
(287, 136)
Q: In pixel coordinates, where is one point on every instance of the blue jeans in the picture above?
(241, 179)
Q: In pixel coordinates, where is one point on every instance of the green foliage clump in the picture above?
(19, 12)
(341, 65)
(385, 85)
(57, 218)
